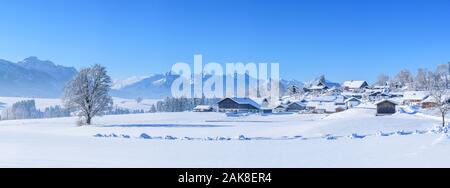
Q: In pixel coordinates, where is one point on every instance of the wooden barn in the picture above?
(386, 107)
(238, 105)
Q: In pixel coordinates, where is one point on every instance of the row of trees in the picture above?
(423, 80)
(171, 104)
(27, 110)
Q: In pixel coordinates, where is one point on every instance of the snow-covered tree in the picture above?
(404, 78)
(139, 99)
(440, 97)
(322, 78)
(382, 80)
(443, 73)
(22, 110)
(421, 82)
(293, 90)
(88, 92)
(56, 111)
(153, 109)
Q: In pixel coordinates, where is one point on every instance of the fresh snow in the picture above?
(119, 84)
(42, 103)
(354, 138)
(354, 84)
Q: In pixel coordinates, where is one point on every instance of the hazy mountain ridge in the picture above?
(56, 71)
(159, 86)
(33, 78)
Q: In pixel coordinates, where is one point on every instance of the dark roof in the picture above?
(386, 100)
(243, 101)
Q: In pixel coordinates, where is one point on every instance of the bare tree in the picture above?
(382, 79)
(440, 95)
(88, 92)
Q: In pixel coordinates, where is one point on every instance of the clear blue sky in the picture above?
(344, 39)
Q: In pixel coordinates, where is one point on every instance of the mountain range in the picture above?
(158, 86)
(33, 77)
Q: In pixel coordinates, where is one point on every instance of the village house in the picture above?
(295, 107)
(429, 102)
(326, 104)
(414, 97)
(288, 106)
(352, 102)
(321, 86)
(348, 95)
(386, 107)
(378, 95)
(280, 108)
(238, 105)
(381, 87)
(340, 100)
(355, 85)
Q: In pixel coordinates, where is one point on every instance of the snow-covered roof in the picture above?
(381, 87)
(396, 93)
(318, 104)
(386, 100)
(354, 84)
(240, 100)
(328, 107)
(352, 99)
(202, 107)
(299, 103)
(317, 87)
(319, 84)
(378, 93)
(352, 94)
(282, 106)
(415, 95)
(340, 99)
(430, 99)
(259, 100)
(323, 99)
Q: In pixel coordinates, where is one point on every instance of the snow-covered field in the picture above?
(354, 138)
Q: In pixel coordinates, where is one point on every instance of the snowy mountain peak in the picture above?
(35, 60)
(48, 67)
(119, 84)
(33, 78)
